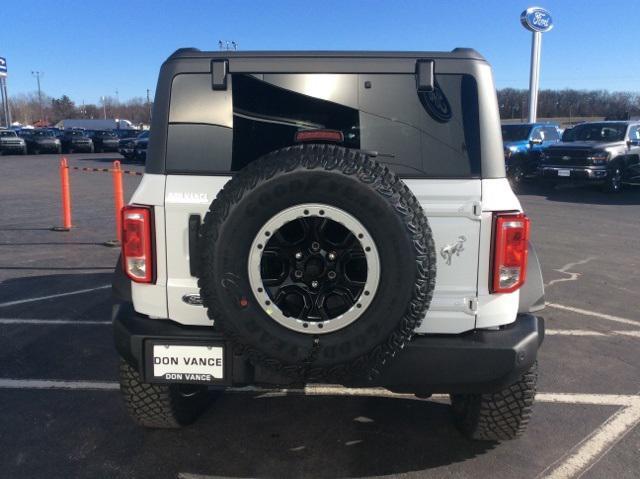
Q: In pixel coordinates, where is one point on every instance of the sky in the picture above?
(89, 48)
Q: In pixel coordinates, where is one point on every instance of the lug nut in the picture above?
(314, 284)
(315, 246)
(331, 274)
(298, 274)
(332, 256)
(298, 255)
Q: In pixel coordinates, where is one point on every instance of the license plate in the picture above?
(564, 172)
(188, 364)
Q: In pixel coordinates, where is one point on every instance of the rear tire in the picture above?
(161, 406)
(516, 176)
(497, 416)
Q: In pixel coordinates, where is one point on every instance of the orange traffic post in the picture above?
(66, 197)
(118, 198)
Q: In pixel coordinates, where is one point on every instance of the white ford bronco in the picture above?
(328, 218)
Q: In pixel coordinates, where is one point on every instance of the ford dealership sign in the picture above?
(536, 19)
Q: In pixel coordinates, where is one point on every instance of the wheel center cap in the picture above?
(314, 267)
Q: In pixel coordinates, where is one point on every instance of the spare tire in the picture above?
(318, 262)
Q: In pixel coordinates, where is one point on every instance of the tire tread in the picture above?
(498, 416)
(157, 405)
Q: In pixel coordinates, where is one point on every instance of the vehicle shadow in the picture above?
(287, 436)
(585, 194)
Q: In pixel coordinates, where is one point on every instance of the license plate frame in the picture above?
(565, 173)
(187, 374)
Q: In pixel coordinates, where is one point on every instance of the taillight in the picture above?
(510, 250)
(137, 246)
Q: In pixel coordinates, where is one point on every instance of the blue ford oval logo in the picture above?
(536, 19)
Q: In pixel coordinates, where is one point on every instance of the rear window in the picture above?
(417, 134)
(597, 132)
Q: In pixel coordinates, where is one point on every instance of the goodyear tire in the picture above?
(318, 262)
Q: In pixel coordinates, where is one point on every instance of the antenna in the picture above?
(226, 45)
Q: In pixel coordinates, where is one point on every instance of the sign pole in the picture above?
(6, 102)
(534, 76)
(537, 20)
(6, 110)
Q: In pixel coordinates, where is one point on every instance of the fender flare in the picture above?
(532, 292)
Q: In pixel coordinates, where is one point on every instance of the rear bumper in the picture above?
(475, 362)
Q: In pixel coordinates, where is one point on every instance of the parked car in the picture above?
(523, 143)
(605, 153)
(41, 141)
(124, 134)
(127, 146)
(104, 140)
(11, 143)
(57, 132)
(74, 141)
(140, 146)
(309, 222)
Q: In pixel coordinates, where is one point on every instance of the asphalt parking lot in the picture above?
(61, 414)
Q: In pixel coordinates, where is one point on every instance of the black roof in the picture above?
(456, 53)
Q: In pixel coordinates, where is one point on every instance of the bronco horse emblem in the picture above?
(449, 250)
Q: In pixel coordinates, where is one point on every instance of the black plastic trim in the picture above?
(478, 361)
(425, 76)
(194, 238)
(219, 70)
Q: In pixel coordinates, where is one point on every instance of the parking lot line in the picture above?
(573, 464)
(51, 296)
(34, 321)
(626, 400)
(595, 314)
(56, 384)
(585, 332)
(587, 453)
